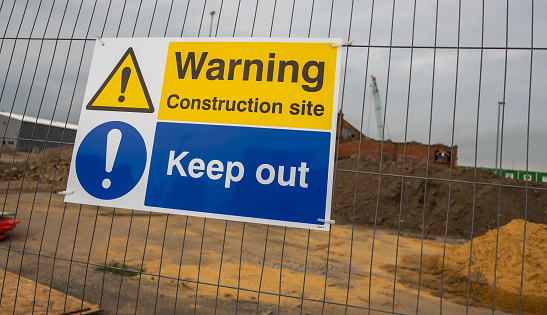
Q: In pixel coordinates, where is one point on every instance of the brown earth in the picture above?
(6, 150)
(48, 166)
(471, 206)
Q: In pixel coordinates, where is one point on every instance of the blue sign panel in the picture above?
(251, 172)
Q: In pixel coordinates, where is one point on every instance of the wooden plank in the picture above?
(26, 298)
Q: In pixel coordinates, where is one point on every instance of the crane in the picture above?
(377, 109)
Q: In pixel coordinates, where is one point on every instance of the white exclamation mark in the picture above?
(112, 144)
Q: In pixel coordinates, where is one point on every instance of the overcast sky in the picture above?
(444, 89)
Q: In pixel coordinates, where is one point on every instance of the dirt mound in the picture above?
(48, 166)
(508, 271)
(430, 202)
(6, 150)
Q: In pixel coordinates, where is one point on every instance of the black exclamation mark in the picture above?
(126, 72)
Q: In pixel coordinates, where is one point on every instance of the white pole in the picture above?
(211, 27)
(498, 132)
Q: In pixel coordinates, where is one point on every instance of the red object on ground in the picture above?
(6, 225)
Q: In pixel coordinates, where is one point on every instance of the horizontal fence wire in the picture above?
(443, 69)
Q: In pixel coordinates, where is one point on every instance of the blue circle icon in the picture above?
(111, 160)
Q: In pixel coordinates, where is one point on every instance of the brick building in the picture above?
(349, 146)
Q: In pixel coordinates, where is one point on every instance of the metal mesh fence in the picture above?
(413, 234)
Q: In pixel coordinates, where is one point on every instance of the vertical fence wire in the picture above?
(475, 158)
(451, 165)
(334, 181)
(501, 155)
(427, 166)
(526, 189)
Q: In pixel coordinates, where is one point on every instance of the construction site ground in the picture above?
(388, 268)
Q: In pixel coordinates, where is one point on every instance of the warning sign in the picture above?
(264, 84)
(124, 89)
(244, 129)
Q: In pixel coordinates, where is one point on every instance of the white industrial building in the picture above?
(26, 133)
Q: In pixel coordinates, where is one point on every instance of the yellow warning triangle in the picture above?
(124, 90)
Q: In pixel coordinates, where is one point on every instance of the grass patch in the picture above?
(116, 268)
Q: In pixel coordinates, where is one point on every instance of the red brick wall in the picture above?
(395, 151)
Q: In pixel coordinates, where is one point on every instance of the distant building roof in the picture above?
(40, 121)
(346, 131)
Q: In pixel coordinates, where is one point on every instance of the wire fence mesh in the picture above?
(414, 233)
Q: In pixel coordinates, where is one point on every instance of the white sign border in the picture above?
(107, 54)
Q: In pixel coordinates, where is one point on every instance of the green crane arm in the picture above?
(377, 109)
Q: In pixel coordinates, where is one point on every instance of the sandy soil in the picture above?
(100, 236)
(498, 263)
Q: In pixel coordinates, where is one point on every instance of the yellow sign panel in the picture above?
(124, 89)
(277, 84)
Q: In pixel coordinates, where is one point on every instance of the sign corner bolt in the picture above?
(100, 39)
(326, 221)
(340, 44)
